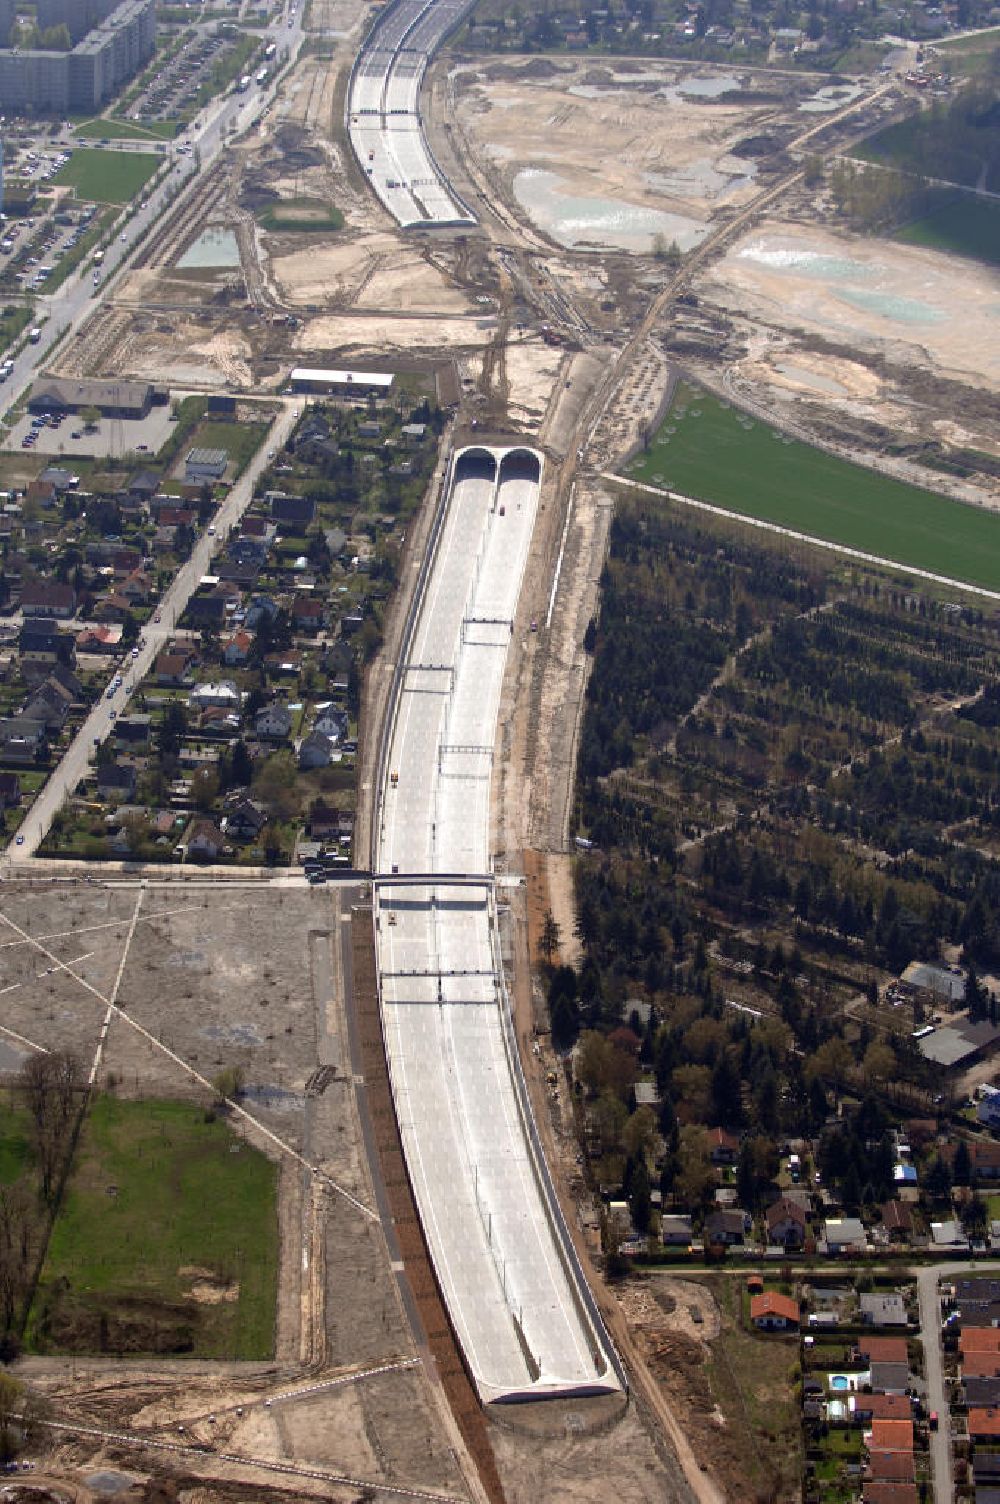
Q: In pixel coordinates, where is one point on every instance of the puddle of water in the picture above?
(833, 97)
(811, 378)
(574, 219)
(890, 306)
(213, 248)
(810, 263)
(704, 178)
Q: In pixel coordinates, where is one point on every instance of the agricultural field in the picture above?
(166, 1240)
(107, 177)
(959, 224)
(715, 453)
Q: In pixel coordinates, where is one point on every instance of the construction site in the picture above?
(552, 321)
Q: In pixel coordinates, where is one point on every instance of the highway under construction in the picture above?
(515, 1294)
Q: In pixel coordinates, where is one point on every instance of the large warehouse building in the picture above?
(119, 40)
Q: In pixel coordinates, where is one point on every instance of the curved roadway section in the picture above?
(384, 117)
(516, 1297)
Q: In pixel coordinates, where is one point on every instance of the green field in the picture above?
(968, 55)
(157, 1201)
(127, 130)
(959, 223)
(107, 177)
(301, 214)
(709, 451)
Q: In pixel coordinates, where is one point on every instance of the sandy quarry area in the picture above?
(422, 332)
(906, 303)
(639, 139)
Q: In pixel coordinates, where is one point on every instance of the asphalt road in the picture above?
(937, 1398)
(99, 724)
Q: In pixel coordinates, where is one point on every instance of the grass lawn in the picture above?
(959, 223)
(717, 454)
(13, 321)
(752, 1383)
(15, 1141)
(301, 214)
(157, 1201)
(241, 439)
(127, 130)
(107, 177)
(969, 55)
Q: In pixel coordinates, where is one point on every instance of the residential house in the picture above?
(890, 1378)
(116, 780)
(41, 643)
(984, 1423)
(887, 1309)
(979, 1339)
(50, 703)
(891, 1436)
(59, 479)
(273, 722)
(842, 1234)
(223, 693)
(331, 721)
(864, 1408)
(47, 598)
(676, 1231)
(133, 728)
(413, 434)
(296, 512)
(773, 1312)
(369, 429)
(22, 741)
(143, 486)
(324, 821)
(889, 1493)
(261, 608)
(100, 639)
(316, 751)
(725, 1228)
(890, 1467)
(897, 1221)
(244, 818)
(883, 1350)
(981, 1391)
(286, 664)
(981, 1365)
(204, 841)
(723, 1147)
(237, 649)
(308, 614)
(10, 791)
(786, 1224)
(174, 668)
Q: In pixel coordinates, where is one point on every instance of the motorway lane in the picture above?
(99, 724)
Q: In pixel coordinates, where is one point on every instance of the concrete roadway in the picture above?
(100, 722)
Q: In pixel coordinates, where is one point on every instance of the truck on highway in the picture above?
(243, 84)
(262, 76)
(98, 257)
(270, 50)
(34, 336)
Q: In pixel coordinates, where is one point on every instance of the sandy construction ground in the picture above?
(914, 306)
(374, 271)
(635, 138)
(356, 332)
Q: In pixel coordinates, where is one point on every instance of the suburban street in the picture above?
(100, 722)
(937, 1397)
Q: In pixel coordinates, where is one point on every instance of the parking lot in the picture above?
(110, 436)
(31, 249)
(176, 87)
